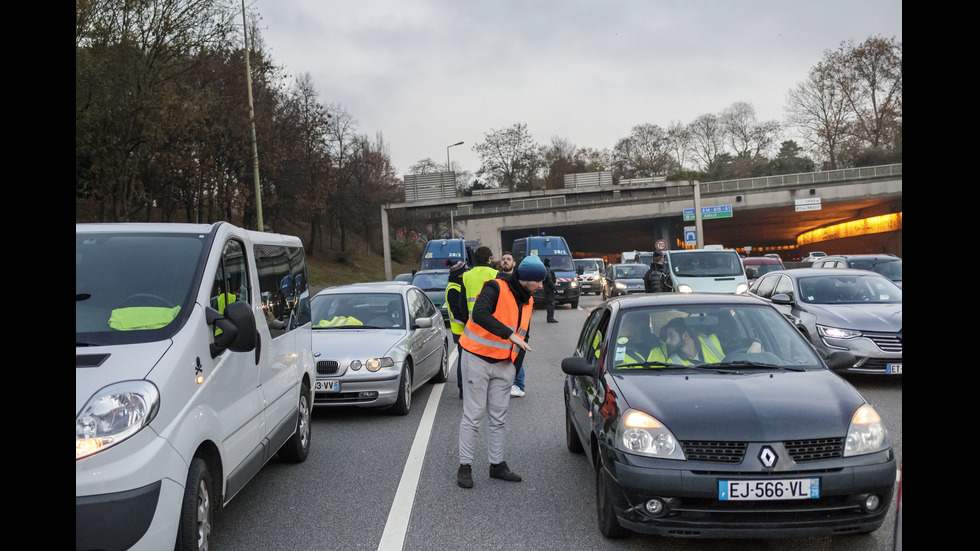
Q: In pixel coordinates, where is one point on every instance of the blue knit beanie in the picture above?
(531, 269)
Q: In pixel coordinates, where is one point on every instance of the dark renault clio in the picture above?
(710, 416)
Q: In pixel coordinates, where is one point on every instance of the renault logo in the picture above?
(768, 457)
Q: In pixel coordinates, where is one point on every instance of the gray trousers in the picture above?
(486, 393)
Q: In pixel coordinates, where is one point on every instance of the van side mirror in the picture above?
(580, 270)
(237, 325)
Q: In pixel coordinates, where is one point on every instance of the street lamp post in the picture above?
(448, 169)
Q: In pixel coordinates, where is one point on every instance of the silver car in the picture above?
(375, 343)
(853, 310)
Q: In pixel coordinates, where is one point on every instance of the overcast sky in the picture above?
(429, 73)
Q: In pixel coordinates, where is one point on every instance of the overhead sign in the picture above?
(811, 203)
(707, 213)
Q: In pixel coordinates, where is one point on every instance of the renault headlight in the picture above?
(114, 414)
(866, 434)
(837, 332)
(643, 434)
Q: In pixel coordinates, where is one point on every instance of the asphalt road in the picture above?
(375, 481)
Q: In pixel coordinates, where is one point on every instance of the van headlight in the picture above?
(866, 434)
(741, 289)
(114, 414)
(685, 288)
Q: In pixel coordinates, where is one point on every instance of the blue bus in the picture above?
(554, 248)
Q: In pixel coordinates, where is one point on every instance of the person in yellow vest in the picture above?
(687, 347)
(457, 315)
(492, 340)
(475, 277)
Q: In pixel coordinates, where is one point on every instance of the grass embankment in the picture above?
(324, 270)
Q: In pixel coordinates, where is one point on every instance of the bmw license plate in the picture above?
(765, 490)
(329, 385)
(894, 369)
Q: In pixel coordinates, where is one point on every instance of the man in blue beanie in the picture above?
(490, 345)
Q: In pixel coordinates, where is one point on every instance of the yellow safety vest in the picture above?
(473, 281)
(711, 351)
(454, 324)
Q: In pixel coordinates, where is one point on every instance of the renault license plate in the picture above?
(765, 490)
(328, 385)
(894, 369)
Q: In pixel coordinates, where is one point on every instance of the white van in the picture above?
(705, 271)
(193, 367)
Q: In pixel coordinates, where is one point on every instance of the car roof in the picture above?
(398, 287)
(761, 260)
(850, 256)
(824, 272)
(433, 271)
(682, 299)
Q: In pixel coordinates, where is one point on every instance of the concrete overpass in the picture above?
(607, 219)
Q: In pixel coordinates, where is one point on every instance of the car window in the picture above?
(723, 333)
(431, 281)
(591, 336)
(848, 289)
(764, 286)
(784, 285)
(358, 310)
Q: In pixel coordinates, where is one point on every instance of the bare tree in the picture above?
(707, 139)
(508, 158)
(748, 137)
(818, 109)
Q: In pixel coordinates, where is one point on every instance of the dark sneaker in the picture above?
(552, 321)
(501, 471)
(464, 476)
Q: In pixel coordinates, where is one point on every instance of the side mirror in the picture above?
(580, 270)
(781, 298)
(423, 323)
(578, 366)
(237, 325)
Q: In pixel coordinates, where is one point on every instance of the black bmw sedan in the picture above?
(711, 416)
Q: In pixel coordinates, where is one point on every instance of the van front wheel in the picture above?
(197, 509)
(297, 448)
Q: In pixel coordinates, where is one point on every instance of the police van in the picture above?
(440, 254)
(193, 368)
(556, 249)
(713, 270)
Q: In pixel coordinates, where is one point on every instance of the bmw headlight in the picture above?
(114, 414)
(375, 364)
(866, 434)
(643, 434)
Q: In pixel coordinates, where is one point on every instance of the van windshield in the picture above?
(133, 287)
(706, 264)
(559, 262)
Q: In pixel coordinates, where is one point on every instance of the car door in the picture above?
(584, 391)
(424, 342)
(235, 380)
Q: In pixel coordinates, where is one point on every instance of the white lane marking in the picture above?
(396, 526)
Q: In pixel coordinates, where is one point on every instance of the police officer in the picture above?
(653, 280)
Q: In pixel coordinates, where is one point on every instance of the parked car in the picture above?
(887, 265)
(854, 310)
(623, 279)
(590, 274)
(755, 266)
(433, 283)
(376, 343)
(767, 443)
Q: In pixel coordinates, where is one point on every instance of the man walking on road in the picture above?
(550, 282)
(653, 280)
(492, 339)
